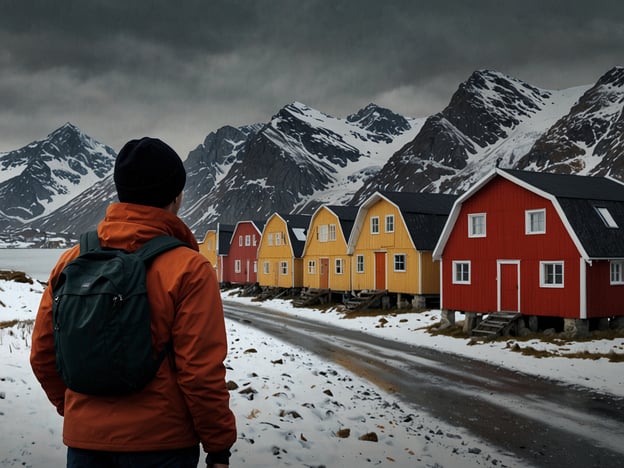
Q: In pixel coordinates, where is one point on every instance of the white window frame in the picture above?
(473, 223)
(528, 225)
(544, 274)
(278, 238)
(255, 266)
(616, 272)
(389, 223)
(396, 258)
(460, 264)
(247, 240)
(266, 268)
(209, 244)
(339, 266)
(240, 241)
(283, 266)
(606, 217)
(359, 263)
(323, 233)
(332, 232)
(270, 238)
(311, 267)
(374, 225)
(237, 266)
(255, 242)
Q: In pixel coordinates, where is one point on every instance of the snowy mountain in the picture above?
(39, 178)
(302, 158)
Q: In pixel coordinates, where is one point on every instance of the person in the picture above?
(187, 402)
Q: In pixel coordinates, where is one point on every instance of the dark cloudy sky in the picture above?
(181, 69)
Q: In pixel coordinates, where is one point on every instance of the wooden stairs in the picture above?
(496, 324)
(364, 299)
(312, 296)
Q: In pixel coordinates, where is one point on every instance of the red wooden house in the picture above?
(544, 245)
(241, 263)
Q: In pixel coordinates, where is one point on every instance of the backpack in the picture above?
(101, 317)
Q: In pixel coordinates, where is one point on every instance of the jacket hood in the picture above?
(128, 226)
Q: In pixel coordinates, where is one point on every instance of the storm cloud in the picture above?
(178, 70)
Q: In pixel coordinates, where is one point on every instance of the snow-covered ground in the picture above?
(292, 408)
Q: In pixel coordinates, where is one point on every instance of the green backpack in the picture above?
(101, 316)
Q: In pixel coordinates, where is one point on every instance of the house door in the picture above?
(509, 286)
(380, 270)
(324, 273)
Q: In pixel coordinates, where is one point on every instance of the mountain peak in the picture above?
(378, 119)
(614, 77)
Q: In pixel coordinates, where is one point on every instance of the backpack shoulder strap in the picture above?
(89, 242)
(158, 245)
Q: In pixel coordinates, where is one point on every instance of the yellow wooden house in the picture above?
(216, 246)
(208, 247)
(279, 255)
(326, 264)
(392, 242)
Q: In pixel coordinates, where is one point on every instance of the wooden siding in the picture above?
(328, 251)
(603, 298)
(245, 232)
(505, 205)
(274, 255)
(393, 243)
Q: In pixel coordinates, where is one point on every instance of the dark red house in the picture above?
(544, 245)
(241, 262)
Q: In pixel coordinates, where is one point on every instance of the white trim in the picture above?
(582, 288)
(542, 278)
(371, 225)
(527, 221)
(621, 264)
(454, 277)
(499, 281)
(441, 285)
(472, 216)
(420, 274)
(386, 217)
(404, 270)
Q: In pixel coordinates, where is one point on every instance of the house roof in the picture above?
(424, 215)
(297, 231)
(346, 215)
(576, 199)
(224, 238)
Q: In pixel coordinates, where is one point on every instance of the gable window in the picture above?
(332, 232)
(606, 217)
(210, 244)
(399, 262)
(389, 223)
(283, 268)
(312, 267)
(535, 221)
(374, 225)
(461, 272)
(254, 240)
(359, 264)
(266, 268)
(247, 240)
(339, 266)
(322, 233)
(617, 272)
(476, 225)
(237, 266)
(551, 274)
(240, 241)
(278, 238)
(270, 238)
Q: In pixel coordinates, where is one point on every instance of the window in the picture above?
(332, 232)
(339, 266)
(606, 217)
(535, 222)
(322, 233)
(247, 240)
(461, 272)
(617, 272)
(311, 267)
(374, 225)
(270, 238)
(266, 268)
(551, 274)
(278, 238)
(399, 262)
(254, 240)
(237, 266)
(283, 268)
(476, 225)
(240, 241)
(359, 264)
(255, 266)
(389, 223)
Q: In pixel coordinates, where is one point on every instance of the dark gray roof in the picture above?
(224, 237)
(297, 222)
(579, 198)
(346, 216)
(425, 215)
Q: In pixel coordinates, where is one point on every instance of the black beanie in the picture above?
(148, 172)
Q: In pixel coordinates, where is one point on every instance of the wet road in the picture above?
(545, 423)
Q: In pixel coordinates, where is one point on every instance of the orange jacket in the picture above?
(184, 404)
